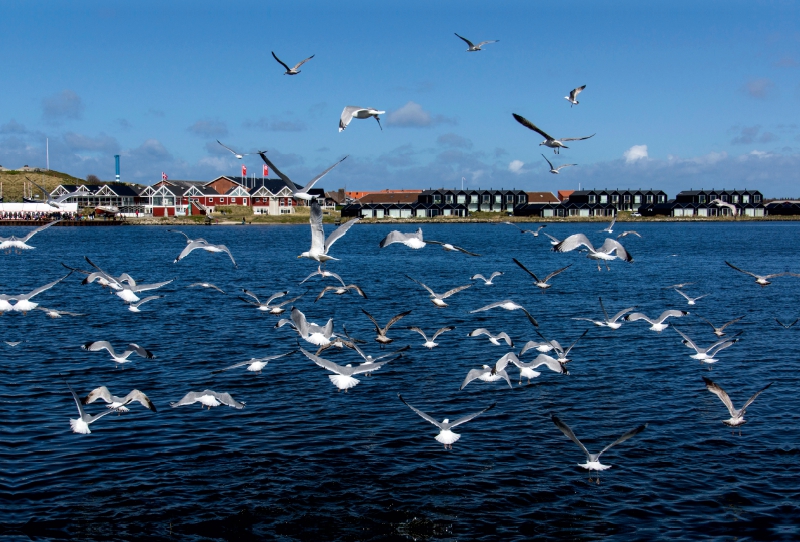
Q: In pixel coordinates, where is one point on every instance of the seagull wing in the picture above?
(98, 393)
(714, 388)
(575, 342)
(433, 294)
(527, 270)
(145, 300)
(492, 305)
(140, 351)
(284, 178)
(329, 365)
(550, 362)
(742, 270)
(443, 330)
(317, 232)
(374, 321)
(399, 237)
(634, 316)
(226, 399)
(154, 286)
(302, 62)
(726, 324)
(672, 312)
(576, 138)
(37, 230)
(610, 245)
(687, 341)
(188, 399)
(465, 39)
(99, 345)
(753, 398)
(418, 330)
(393, 320)
(574, 93)
(347, 115)
(528, 124)
(572, 242)
(554, 273)
(339, 232)
(422, 414)
(472, 375)
(479, 276)
(605, 313)
(481, 44)
(299, 321)
(227, 147)
(198, 243)
(279, 62)
(41, 289)
(549, 163)
(567, 431)
(136, 395)
(469, 417)
(624, 437)
(179, 231)
(454, 291)
(684, 295)
(81, 412)
(313, 181)
(562, 166)
(553, 239)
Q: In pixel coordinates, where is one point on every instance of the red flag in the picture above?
(244, 170)
(266, 171)
(164, 176)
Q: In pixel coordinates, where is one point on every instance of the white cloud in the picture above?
(637, 152)
(516, 166)
(412, 115)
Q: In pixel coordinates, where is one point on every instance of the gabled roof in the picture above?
(238, 192)
(390, 197)
(542, 197)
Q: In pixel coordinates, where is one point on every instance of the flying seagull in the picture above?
(657, 324)
(236, 154)
(706, 355)
(291, 71)
(549, 141)
(324, 273)
(310, 332)
(785, 326)
(526, 370)
(53, 313)
(81, 425)
(382, 338)
(535, 232)
(691, 300)
(593, 460)
(627, 233)
(297, 192)
(339, 290)
(737, 416)
(56, 202)
(208, 398)
(265, 306)
(206, 285)
(490, 373)
(255, 364)
(487, 282)
(762, 280)
(612, 323)
(610, 250)
(452, 248)
(473, 48)
(319, 245)
(573, 95)
(719, 331)
(508, 305)
(411, 240)
(343, 377)
(429, 343)
(446, 436)
(194, 244)
(351, 112)
(133, 348)
(126, 292)
(23, 301)
(20, 243)
(438, 299)
(117, 403)
(556, 170)
(494, 339)
(134, 307)
(541, 283)
(560, 350)
(610, 228)
(553, 240)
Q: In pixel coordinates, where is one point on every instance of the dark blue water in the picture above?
(304, 462)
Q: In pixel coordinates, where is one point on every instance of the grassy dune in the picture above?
(12, 182)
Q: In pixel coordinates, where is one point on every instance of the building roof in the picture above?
(542, 197)
(564, 194)
(389, 197)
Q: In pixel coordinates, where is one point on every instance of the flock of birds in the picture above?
(549, 353)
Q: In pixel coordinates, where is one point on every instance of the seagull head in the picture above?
(446, 420)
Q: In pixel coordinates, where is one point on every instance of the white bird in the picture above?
(265, 306)
(657, 324)
(452, 248)
(324, 273)
(737, 416)
(438, 299)
(706, 355)
(612, 323)
(20, 243)
(610, 228)
(494, 339)
(381, 337)
(473, 48)
(541, 283)
(12, 344)
(762, 280)
(236, 154)
(206, 285)
(411, 240)
(308, 331)
(560, 350)
(23, 301)
(555, 144)
(208, 398)
(126, 292)
(343, 377)
(678, 286)
(339, 290)
(593, 460)
(430, 343)
(691, 300)
(542, 347)
(194, 244)
(490, 373)
(291, 71)
(134, 307)
(319, 245)
(610, 250)
(81, 425)
(535, 232)
(508, 305)
(553, 240)
(720, 331)
(556, 170)
(118, 403)
(255, 364)
(133, 348)
(627, 233)
(446, 435)
(487, 282)
(573, 95)
(351, 112)
(56, 202)
(731, 207)
(526, 369)
(298, 192)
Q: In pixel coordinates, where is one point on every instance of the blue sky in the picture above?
(680, 94)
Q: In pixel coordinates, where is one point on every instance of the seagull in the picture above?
(487, 282)
(339, 290)
(678, 286)
(411, 240)
(23, 301)
(20, 243)
(452, 248)
(593, 460)
(55, 202)
(319, 245)
(719, 331)
(117, 403)
(446, 436)
(351, 112)
(610, 250)
(556, 170)
(535, 232)
(209, 398)
(490, 373)
(382, 338)
(719, 203)
(438, 299)
(762, 280)
(256, 364)
(343, 379)
(429, 343)
(193, 244)
(126, 292)
(324, 273)
(310, 332)
(610, 228)
(560, 350)
(297, 192)
(508, 305)
(706, 355)
(541, 283)
(657, 324)
(555, 144)
(12, 344)
(737, 416)
(573, 96)
(540, 347)
(785, 326)
(526, 370)
(691, 300)
(291, 71)
(206, 285)
(265, 306)
(553, 240)
(627, 233)
(371, 362)
(473, 48)
(118, 358)
(612, 323)
(236, 154)
(81, 425)
(494, 339)
(134, 307)
(5, 306)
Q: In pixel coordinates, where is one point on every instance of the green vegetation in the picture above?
(13, 181)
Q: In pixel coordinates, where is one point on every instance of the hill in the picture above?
(13, 182)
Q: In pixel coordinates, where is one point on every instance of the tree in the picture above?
(94, 179)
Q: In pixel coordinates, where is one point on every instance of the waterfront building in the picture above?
(476, 199)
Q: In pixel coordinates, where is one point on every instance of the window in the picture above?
(661, 198)
(627, 198)
(637, 198)
(745, 198)
(756, 198)
(649, 198)
(437, 199)
(725, 198)
(498, 198)
(603, 198)
(592, 198)
(701, 198)
(735, 198)
(448, 198)
(510, 198)
(614, 198)
(521, 198)
(461, 198)
(486, 198)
